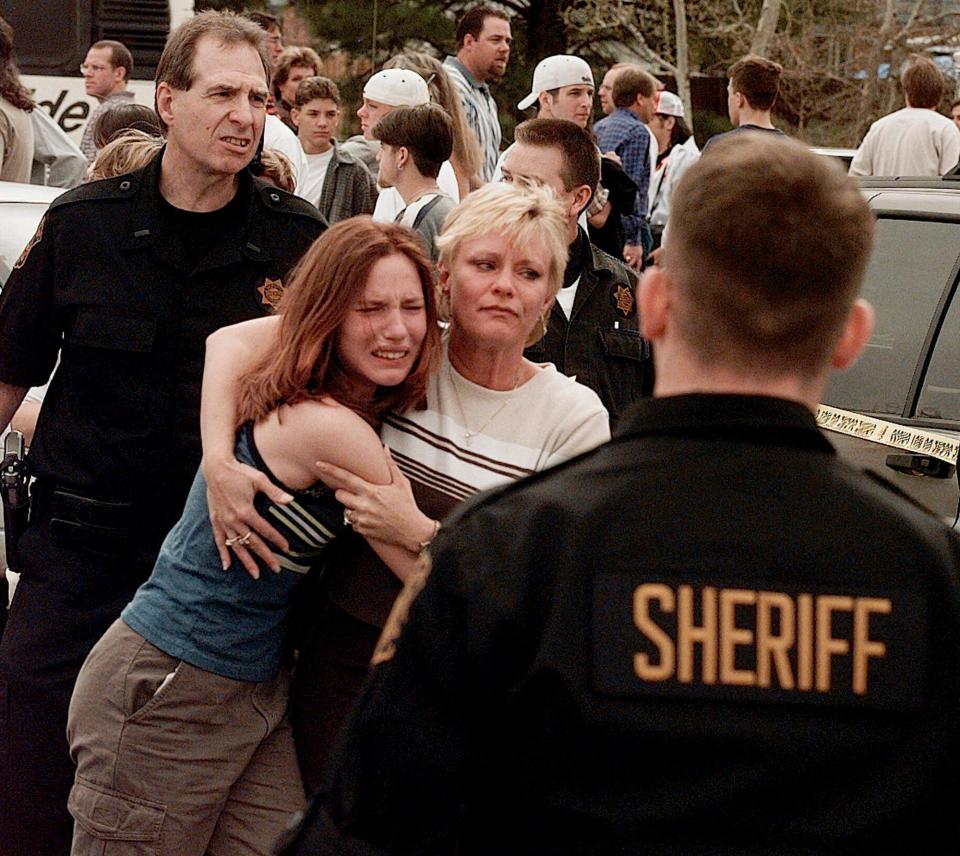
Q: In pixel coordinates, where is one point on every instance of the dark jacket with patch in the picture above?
(107, 286)
(600, 344)
(541, 699)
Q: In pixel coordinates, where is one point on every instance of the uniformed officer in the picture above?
(709, 635)
(592, 331)
(123, 281)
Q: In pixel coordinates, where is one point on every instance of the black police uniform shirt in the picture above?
(111, 278)
(600, 344)
(708, 636)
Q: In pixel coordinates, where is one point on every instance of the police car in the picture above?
(897, 411)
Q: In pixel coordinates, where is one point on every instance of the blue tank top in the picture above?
(226, 622)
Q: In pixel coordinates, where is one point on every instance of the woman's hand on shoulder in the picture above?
(231, 487)
(384, 512)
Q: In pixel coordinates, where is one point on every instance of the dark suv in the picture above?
(909, 373)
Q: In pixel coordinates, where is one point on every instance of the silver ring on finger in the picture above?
(239, 540)
(348, 518)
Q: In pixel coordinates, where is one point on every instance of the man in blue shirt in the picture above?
(624, 133)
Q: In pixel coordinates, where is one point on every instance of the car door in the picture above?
(909, 374)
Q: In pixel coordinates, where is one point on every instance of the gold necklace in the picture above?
(468, 435)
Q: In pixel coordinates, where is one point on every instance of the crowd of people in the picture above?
(370, 481)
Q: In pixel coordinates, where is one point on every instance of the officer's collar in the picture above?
(148, 228)
(773, 420)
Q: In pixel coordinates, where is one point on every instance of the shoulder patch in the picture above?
(37, 237)
(387, 644)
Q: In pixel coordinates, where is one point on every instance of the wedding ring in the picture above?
(239, 540)
(347, 517)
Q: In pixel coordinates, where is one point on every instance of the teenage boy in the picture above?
(384, 92)
(751, 93)
(414, 143)
(335, 181)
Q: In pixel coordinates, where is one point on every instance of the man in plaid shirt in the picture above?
(624, 133)
(483, 49)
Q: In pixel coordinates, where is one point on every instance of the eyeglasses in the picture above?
(84, 68)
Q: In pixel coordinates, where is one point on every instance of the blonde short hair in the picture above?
(128, 152)
(521, 213)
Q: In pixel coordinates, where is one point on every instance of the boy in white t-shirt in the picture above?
(336, 182)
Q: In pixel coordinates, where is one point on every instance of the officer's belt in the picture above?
(105, 527)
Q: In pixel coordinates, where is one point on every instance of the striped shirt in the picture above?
(482, 114)
(227, 622)
(548, 419)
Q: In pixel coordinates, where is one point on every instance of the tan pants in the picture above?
(173, 760)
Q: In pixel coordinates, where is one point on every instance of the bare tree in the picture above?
(766, 27)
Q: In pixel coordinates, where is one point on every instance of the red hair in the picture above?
(325, 285)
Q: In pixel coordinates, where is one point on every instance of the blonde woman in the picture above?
(491, 417)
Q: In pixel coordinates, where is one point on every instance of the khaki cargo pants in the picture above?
(173, 760)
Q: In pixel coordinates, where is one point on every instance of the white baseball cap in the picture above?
(554, 72)
(397, 87)
(667, 104)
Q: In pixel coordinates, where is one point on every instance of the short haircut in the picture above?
(294, 57)
(276, 168)
(757, 79)
(129, 151)
(122, 117)
(631, 82)
(955, 104)
(521, 213)
(757, 284)
(264, 20)
(922, 82)
(316, 87)
(120, 56)
(426, 131)
(581, 158)
(466, 154)
(471, 23)
(176, 62)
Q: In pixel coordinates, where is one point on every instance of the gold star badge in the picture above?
(270, 293)
(624, 300)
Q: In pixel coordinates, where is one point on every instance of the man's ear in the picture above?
(543, 103)
(164, 99)
(856, 332)
(581, 198)
(295, 116)
(654, 302)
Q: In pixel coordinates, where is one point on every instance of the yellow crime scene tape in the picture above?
(888, 433)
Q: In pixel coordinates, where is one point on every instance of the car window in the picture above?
(912, 263)
(940, 393)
